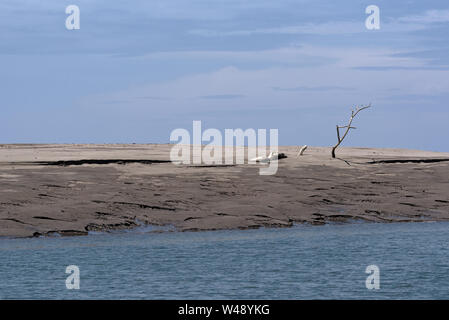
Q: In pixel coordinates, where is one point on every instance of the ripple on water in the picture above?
(302, 262)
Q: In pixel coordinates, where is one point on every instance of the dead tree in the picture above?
(348, 127)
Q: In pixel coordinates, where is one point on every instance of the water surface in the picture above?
(303, 262)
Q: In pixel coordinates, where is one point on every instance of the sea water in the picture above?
(302, 262)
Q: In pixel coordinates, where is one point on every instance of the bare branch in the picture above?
(348, 127)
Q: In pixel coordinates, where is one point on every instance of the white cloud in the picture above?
(255, 87)
(431, 16)
(329, 28)
(307, 55)
(310, 28)
(401, 24)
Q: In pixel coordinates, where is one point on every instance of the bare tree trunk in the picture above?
(348, 127)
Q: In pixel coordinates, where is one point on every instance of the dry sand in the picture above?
(123, 186)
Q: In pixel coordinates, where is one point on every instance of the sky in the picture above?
(136, 70)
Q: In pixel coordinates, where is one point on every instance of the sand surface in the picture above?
(74, 189)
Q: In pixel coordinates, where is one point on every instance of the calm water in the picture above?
(304, 262)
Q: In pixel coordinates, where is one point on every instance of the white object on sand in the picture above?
(271, 156)
(301, 151)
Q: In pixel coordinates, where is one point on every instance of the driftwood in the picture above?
(272, 156)
(301, 151)
(348, 127)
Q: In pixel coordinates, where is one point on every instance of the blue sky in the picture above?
(138, 69)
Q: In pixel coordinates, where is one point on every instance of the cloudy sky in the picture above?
(138, 69)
